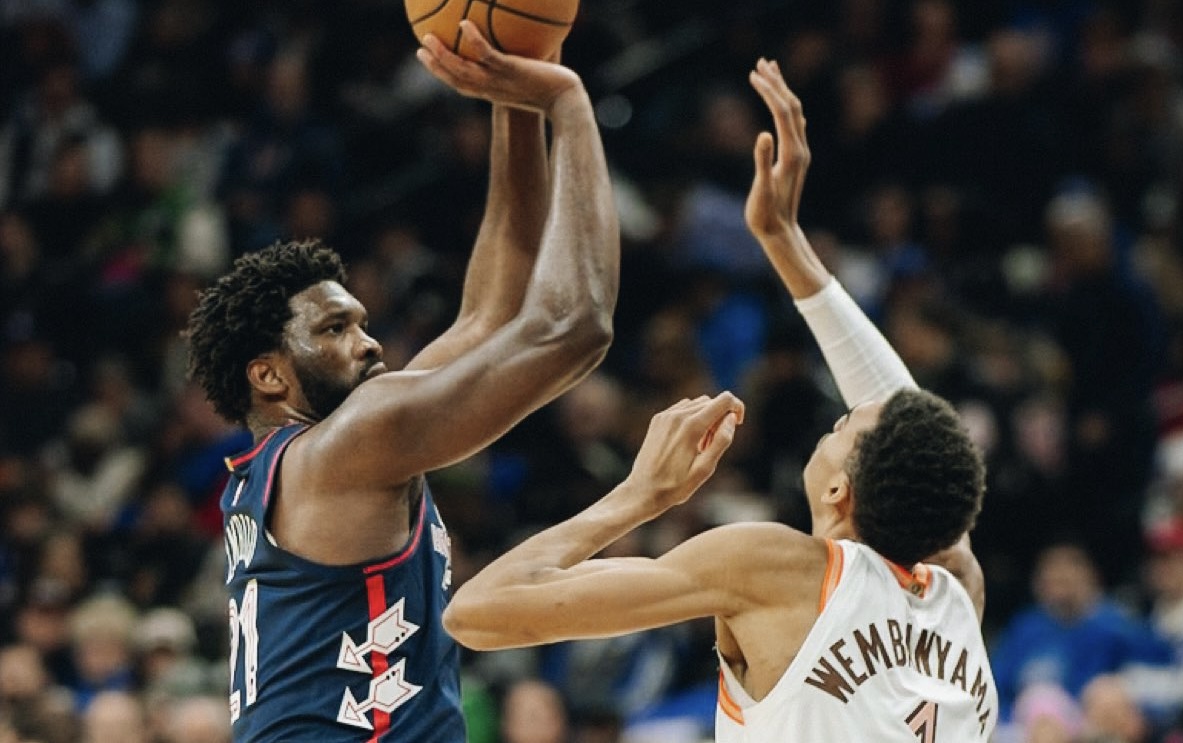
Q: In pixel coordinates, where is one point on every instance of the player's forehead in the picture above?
(324, 299)
(867, 412)
(862, 416)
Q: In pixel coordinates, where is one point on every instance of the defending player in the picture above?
(338, 563)
(842, 635)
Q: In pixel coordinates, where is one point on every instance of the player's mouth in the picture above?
(378, 368)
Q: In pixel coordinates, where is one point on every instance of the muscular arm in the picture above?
(509, 237)
(531, 596)
(398, 425)
(547, 589)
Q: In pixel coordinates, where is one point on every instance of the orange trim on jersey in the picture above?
(914, 581)
(727, 704)
(834, 559)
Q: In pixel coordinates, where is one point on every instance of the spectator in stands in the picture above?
(55, 113)
(165, 643)
(1111, 714)
(285, 147)
(1072, 634)
(199, 719)
(1044, 713)
(1165, 576)
(533, 712)
(94, 474)
(23, 678)
(114, 717)
(1109, 328)
(101, 635)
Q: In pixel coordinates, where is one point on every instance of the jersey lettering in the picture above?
(442, 543)
(842, 679)
(242, 538)
(244, 621)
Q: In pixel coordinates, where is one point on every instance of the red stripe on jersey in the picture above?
(376, 594)
(407, 551)
(232, 464)
(271, 473)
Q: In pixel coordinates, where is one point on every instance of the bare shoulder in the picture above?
(379, 402)
(363, 430)
(766, 540)
(766, 562)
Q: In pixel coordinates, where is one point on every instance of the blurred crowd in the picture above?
(999, 184)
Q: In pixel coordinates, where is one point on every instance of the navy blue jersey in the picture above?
(326, 653)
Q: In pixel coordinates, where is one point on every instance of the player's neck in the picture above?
(262, 422)
(834, 527)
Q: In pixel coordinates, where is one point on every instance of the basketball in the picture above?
(528, 28)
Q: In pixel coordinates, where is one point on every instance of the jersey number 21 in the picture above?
(244, 622)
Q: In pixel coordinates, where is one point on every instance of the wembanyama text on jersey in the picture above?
(335, 653)
(895, 656)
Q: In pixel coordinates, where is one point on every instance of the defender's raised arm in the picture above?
(863, 363)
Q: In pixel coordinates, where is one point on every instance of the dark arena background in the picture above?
(998, 184)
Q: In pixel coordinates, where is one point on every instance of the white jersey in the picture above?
(894, 656)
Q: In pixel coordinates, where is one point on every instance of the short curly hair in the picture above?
(918, 479)
(243, 314)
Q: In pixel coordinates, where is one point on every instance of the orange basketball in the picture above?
(529, 28)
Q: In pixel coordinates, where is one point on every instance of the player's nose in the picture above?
(369, 346)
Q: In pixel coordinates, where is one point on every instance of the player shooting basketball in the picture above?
(338, 561)
(844, 634)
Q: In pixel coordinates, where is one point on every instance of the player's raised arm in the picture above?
(508, 240)
(547, 589)
(400, 424)
(862, 362)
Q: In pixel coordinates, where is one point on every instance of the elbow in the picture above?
(463, 624)
(454, 624)
(597, 335)
(590, 331)
(457, 623)
(589, 344)
(582, 336)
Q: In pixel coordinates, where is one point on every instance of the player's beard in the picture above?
(323, 394)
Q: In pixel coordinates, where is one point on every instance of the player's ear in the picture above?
(838, 493)
(268, 375)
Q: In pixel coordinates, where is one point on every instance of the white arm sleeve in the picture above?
(863, 363)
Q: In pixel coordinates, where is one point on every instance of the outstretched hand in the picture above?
(781, 163)
(683, 447)
(494, 76)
